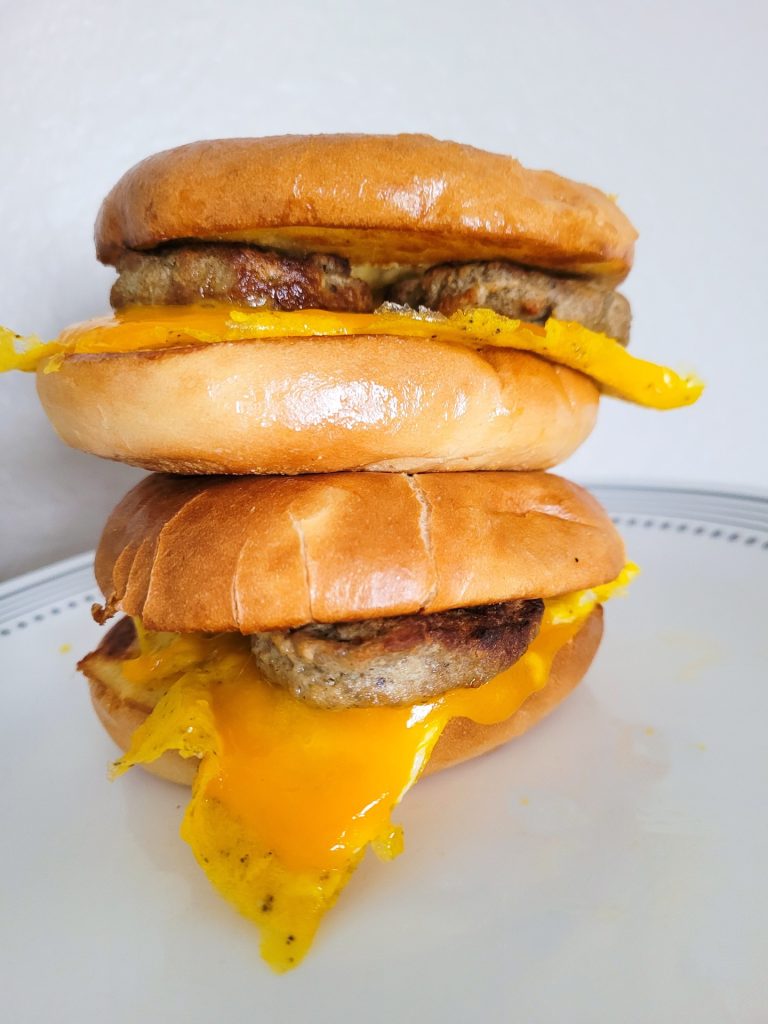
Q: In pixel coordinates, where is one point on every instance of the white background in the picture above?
(663, 103)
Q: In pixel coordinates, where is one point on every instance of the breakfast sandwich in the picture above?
(328, 303)
(302, 649)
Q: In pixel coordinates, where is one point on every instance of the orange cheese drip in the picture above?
(340, 773)
(288, 796)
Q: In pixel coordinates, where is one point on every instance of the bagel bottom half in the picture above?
(321, 405)
(461, 740)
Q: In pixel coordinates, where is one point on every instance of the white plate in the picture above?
(609, 867)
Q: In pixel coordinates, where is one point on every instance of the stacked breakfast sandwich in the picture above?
(347, 361)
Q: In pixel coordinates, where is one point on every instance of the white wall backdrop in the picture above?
(663, 103)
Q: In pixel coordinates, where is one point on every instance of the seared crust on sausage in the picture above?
(240, 274)
(404, 659)
(517, 292)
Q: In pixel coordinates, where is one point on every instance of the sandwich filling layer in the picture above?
(153, 328)
(191, 272)
(288, 796)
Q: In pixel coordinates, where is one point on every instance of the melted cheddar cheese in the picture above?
(154, 327)
(288, 796)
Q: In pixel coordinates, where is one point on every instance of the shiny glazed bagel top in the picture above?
(374, 199)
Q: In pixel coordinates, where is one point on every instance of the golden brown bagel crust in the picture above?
(304, 405)
(375, 199)
(259, 553)
(462, 739)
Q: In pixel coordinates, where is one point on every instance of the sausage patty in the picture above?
(245, 275)
(405, 659)
(518, 293)
(240, 274)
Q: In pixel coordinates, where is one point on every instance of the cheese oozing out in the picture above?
(288, 796)
(141, 328)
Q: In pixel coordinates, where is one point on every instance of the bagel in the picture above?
(374, 199)
(306, 405)
(250, 554)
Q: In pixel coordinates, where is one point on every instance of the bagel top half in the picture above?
(250, 554)
(373, 199)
